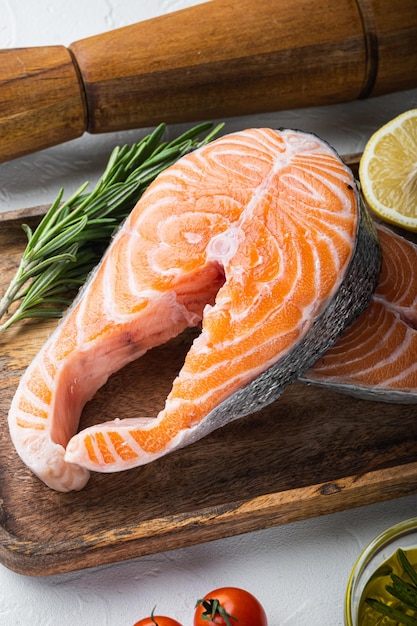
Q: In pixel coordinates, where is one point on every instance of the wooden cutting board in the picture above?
(310, 453)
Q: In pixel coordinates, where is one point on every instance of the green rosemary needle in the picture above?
(405, 592)
(73, 235)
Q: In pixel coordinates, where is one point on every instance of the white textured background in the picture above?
(299, 571)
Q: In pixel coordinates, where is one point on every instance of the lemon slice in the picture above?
(388, 171)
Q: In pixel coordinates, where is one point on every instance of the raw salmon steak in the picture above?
(375, 358)
(260, 238)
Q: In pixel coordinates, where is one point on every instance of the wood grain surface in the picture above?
(213, 60)
(41, 100)
(310, 453)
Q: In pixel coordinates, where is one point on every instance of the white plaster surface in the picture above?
(299, 571)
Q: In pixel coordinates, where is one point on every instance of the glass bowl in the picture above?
(402, 535)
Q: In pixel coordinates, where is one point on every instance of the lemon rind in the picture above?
(383, 211)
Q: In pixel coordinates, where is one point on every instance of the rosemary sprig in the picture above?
(73, 235)
(405, 592)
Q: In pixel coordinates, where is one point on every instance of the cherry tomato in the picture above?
(229, 606)
(157, 620)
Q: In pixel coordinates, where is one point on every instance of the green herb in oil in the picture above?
(398, 600)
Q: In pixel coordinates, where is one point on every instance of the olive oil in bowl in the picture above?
(378, 589)
(388, 563)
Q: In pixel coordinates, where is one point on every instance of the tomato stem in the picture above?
(153, 616)
(213, 608)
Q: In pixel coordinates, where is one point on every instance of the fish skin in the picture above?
(63, 459)
(389, 327)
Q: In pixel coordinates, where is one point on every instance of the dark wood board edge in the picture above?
(23, 214)
(209, 524)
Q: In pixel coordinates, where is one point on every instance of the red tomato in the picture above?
(229, 606)
(157, 620)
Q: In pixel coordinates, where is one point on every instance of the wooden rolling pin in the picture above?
(213, 60)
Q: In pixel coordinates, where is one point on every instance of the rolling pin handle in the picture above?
(214, 60)
(42, 101)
